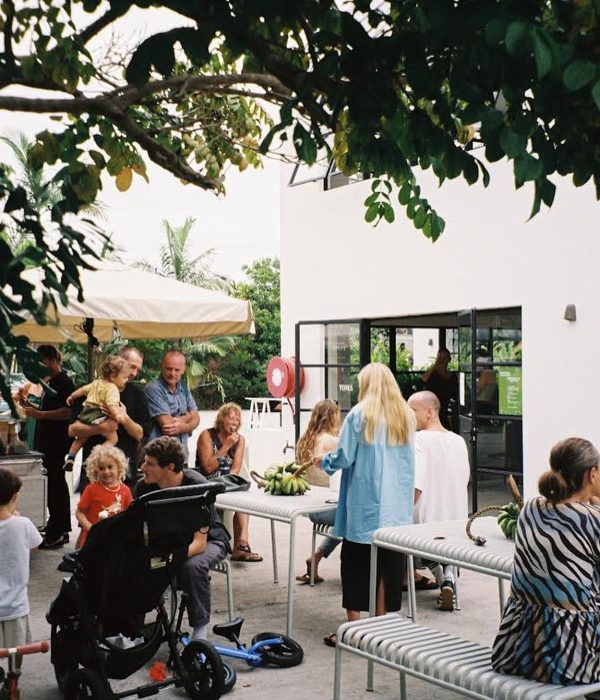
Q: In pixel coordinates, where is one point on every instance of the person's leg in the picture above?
(59, 521)
(241, 546)
(325, 548)
(195, 581)
(390, 569)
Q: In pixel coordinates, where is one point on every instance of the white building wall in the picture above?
(334, 266)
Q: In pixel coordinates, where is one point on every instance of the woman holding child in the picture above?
(550, 626)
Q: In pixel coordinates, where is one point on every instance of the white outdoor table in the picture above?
(446, 542)
(283, 509)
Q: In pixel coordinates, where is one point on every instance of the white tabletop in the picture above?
(255, 501)
(448, 543)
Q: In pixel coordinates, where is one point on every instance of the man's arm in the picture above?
(133, 429)
(175, 425)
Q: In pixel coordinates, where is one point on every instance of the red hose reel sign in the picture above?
(281, 377)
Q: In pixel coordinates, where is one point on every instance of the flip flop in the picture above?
(305, 578)
(330, 640)
(242, 552)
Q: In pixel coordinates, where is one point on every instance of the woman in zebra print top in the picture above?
(550, 629)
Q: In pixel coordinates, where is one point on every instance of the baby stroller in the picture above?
(120, 574)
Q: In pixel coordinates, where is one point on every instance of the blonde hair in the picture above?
(325, 418)
(224, 411)
(112, 366)
(382, 402)
(101, 453)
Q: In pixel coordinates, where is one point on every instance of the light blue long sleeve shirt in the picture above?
(377, 485)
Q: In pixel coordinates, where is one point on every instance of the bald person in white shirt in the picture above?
(441, 478)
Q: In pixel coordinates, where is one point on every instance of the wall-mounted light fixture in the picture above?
(570, 312)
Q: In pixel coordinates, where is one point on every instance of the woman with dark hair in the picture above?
(549, 629)
(52, 439)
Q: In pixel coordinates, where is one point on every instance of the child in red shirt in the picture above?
(106, 494)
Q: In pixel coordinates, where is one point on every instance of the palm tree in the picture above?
(42, 192)
(176, 261)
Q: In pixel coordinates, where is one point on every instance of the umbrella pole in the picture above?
(92, 342)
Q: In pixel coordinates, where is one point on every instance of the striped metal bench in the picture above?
(438, 658)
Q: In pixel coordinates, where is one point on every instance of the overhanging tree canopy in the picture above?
(402, 86)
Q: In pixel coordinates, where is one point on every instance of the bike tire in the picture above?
(86, 684)
(285, 654)
(229, 677)
(203, 677)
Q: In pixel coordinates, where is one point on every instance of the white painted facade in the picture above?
(334, 266)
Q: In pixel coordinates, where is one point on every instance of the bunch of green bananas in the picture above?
(282, 482)
(507, 519)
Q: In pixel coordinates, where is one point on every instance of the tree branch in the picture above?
(159, 154)
(8, 32)
(102, 22)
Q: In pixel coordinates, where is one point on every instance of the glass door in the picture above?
(490, 398)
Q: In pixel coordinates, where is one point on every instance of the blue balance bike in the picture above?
(266, 648)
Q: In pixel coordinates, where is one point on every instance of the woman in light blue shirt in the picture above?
(376, 455)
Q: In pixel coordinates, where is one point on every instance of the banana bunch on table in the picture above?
(507, 519)
(285, 480)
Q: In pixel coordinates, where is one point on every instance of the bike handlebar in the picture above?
(36, 648)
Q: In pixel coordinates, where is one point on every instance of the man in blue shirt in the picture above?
(172, 408)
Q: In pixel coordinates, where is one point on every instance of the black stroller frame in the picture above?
(121, 573)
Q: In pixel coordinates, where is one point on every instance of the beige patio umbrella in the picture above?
(142, 305)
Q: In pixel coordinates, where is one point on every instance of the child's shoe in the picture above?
(69, 462)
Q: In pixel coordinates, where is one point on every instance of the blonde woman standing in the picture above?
(375, 454)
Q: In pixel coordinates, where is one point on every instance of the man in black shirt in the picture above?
(163, 468)
(51, 438)
(134, 420)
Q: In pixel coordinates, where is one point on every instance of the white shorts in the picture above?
(14, 633)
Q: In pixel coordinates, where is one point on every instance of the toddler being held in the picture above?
(100, 413)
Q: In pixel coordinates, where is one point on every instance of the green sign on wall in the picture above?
(509, 391)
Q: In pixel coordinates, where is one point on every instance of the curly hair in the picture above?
(99, 454)
(224, 411)
(113, 365)
(325, 418)
(166, 450)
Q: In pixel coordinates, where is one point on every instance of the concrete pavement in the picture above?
(263, 605)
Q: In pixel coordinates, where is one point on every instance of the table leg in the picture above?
(410, 581)
(274, 551)
(372, 606)
(291, 563)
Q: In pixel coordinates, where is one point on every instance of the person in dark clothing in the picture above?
(52, 439)
(134, 421)
(163, 468)
(443, 383)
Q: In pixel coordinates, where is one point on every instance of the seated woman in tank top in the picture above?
(220, 450)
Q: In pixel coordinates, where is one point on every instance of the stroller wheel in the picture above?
(229, 677)
(203, 674)
(86, 683)
(62, 659)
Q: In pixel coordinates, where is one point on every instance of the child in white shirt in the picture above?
(18, 536)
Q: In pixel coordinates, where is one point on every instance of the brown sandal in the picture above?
(242, 552)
